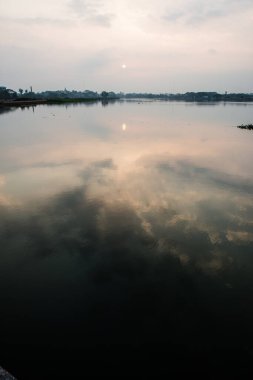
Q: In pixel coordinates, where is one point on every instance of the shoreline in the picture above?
(21, 103)
(34, 102)
(16, 103)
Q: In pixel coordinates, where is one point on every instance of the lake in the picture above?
(126, 239)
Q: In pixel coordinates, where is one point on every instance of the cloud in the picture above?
(39, 165)
(38, 21)
(62, 33)
(94, 62)
(2, 180)
(82, 222)
(92, 12)
(198, 11)
(97, 171)
(92, 276)
(205, 175)
(82, 7)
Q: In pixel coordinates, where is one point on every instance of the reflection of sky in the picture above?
(146, 229)
(60, 141)
(175, 158)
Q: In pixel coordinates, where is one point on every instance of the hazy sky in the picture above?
(124, 45)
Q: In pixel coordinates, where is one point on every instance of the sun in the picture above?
(123, 66)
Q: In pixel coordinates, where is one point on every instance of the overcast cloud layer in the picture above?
(167, 46)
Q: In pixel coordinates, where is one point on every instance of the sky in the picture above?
(130, 46)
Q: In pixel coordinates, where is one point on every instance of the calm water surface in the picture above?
(126, 239)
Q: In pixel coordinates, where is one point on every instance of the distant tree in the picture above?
(26, 91)
(3, 93)
(112, 95)
(20, 91)
(104, 94)
(7, 93)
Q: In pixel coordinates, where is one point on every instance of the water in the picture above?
(126, 237)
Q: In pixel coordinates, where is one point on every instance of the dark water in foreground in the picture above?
(126, 240)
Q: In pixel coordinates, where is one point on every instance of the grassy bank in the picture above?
(30, 102)
(69, 100)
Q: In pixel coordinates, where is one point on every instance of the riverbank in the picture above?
(249, 127)
(21, 103)
(31, 102)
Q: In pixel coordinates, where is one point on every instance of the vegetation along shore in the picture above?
(9, 97)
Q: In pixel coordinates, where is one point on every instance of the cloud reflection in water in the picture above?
(129, 271)
(149, 263)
